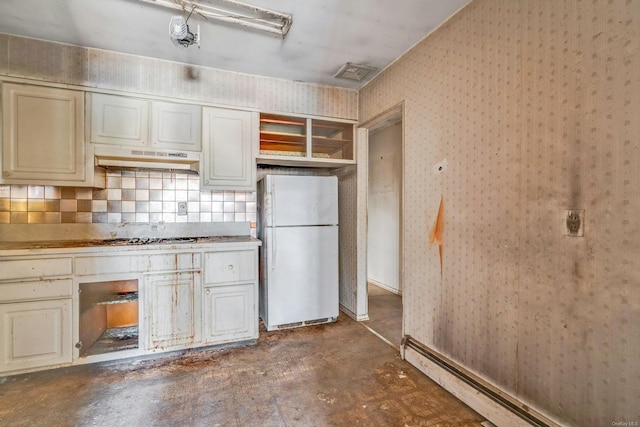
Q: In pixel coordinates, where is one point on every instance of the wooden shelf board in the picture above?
(333, 140)
(303, 161)
(282, 122)
(283, 136)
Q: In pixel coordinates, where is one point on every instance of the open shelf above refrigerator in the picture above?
(303, 141)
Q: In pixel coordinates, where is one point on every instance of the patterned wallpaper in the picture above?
(56, 62)
(536, 107)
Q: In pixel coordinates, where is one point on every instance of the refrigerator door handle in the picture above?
(272, 204)
(274, 251)
(272, 199)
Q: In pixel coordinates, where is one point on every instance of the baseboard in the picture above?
(481, 402)
(385, 287)
(354, 316)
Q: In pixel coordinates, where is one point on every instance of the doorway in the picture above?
(384, 228)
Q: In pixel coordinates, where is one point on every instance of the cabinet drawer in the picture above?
(230, 266)
(89, 266)
(45, 289)
(35, 268)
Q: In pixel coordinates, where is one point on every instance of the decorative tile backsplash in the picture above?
(131, 197)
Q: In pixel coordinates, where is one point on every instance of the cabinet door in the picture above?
(119, 120)
(229, 139)
(43, 135)
(176, 126)
(230, 313)
(172, 316)
(35, 334)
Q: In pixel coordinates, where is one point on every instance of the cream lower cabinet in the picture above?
(35, 313)
(230, 296)
(229, 313)
(172, 309)
(51, 303)
(35, 334)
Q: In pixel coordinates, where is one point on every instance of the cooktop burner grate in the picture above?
(150, 241)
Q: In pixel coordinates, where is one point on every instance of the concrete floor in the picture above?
(326, 375)
(385, 314)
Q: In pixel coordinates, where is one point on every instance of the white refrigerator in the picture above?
(298, 226)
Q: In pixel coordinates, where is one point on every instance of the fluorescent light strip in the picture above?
(249, 16)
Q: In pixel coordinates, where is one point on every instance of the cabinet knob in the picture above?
(230, 267)
(208, 291)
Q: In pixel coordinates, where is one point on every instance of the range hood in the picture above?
(127, 157)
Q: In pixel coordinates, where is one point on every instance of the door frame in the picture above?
(386, 118)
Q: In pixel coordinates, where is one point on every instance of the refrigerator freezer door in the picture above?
(302, 270)
(301, 200)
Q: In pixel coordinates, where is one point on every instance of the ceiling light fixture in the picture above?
(234, 12)
(179, 31)
(351, 71)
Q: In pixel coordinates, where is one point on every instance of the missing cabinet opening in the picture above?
(108, 317)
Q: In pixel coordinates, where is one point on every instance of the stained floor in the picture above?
(385, 314)
(326, 375)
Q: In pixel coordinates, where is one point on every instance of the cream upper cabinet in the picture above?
(136, 122)
(43, 137)
(230, 139)
(176, 126)
(119, 120)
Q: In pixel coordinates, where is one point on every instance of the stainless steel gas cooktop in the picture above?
(150, 240)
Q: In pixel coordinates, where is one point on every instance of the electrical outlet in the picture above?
(182, 208)
(574, 222)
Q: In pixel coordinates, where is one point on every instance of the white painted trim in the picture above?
(351, 314)
(485, 406)
(385, 287)
(362, 188)
(362, 177)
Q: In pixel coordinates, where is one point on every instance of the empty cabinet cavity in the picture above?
(108, 317)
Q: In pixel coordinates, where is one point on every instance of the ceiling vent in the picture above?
(351, 71)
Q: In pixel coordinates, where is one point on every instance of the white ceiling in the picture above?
(325, 33)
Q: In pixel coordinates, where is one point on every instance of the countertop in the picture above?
(34, 247)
